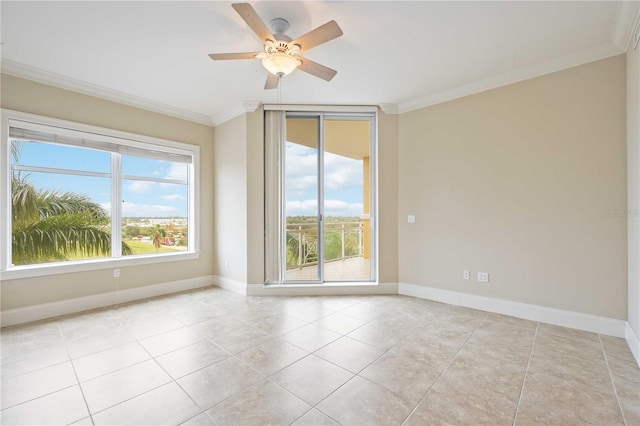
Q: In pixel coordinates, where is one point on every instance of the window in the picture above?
(79, 195)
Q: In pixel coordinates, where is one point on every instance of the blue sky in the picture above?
(342, 186)
(343, 180)
(141, 198)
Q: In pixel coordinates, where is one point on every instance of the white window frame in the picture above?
(101, 134)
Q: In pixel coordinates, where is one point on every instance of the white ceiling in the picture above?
(404, 55)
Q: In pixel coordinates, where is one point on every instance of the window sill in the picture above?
(19, 272)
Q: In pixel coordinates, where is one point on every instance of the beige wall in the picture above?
(633, 182)
(27, 96)
(388, 197)
(517, 182)
(229, 168)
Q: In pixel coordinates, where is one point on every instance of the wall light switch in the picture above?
(411, 218)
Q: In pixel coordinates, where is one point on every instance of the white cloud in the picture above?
(172, 197)
(147, 210)
(331, 208)
(139, 186)
(178, 171)
(302, 168)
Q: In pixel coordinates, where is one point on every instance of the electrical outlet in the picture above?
(483, 277)
(116, 273)
(411, 218)
(466, 275)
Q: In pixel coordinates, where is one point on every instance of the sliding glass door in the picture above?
(328, 198)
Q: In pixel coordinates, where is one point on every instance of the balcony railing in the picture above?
(343, 240)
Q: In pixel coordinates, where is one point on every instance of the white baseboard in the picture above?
(79, 304)
(633, 341)
(321, 289)
(231, 285)
(577, 320)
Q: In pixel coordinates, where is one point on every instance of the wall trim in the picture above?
(80, 304)
(321, 289)
(574, 59)
(633, 341)
(57, 80)
(229, 284)
(576, 320)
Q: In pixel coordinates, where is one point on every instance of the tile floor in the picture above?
(212, 357)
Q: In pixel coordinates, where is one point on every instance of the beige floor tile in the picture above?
(362, 402)
(59, 408)
(500, 333)
(310, 337)
(567, 414)
(380, 335)
(440, 334)
(149, 326)
(310, 313)
(25, 387)
(166, 405)
(114, 388)
(107, 361)
(201, 419)
(83, 422)
(170, 341)
(449, 403)
(362, 311)
(349, 354)
(117, 336)
(486, 373)
(271, 405)
(219, 381)
(242, 338)
(314, 417)
(27, 361)
(279, 324)
(29, 337)
(272, 356)
(553, 398)
(312, 378)
(194, 312)
(433, 355)
(569, 370)
(186, 360)
(576, 347)
(532, 325)
(568, 333)
(631, 409)
(340, 323)
(87, 324)
(212, 329)
(402, 374)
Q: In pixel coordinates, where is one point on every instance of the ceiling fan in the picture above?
(281, 53)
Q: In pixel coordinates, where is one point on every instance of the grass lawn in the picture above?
(141, 247)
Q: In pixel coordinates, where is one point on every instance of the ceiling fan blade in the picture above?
(272, 81)
(222, 56)
(316, 69)
(320, 35)
(248, 13)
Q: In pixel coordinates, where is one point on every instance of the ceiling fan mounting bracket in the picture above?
(279, 26)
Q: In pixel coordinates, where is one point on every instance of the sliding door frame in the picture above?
(342, 114)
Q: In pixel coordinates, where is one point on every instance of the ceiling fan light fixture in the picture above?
(280, 64)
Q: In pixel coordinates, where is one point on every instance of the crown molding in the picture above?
(595, 53)
(625, 24)
(389, 108)
(231, 113)
(52, 79)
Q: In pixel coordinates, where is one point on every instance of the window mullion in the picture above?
(116, 205)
